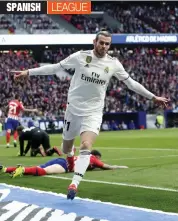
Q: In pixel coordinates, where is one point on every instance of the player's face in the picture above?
(98, 157)
(102, 45)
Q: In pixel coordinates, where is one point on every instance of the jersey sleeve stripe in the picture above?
(61, 66)
(126, 78)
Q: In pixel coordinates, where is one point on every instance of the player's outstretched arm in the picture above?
(140, 89)
(112, 167)
(50, 69)
(19, 75)
(99, 164)
(133, 85)
(30, 110)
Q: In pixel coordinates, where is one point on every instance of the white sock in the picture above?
(15, 141)
(7, 144)
(81, 166)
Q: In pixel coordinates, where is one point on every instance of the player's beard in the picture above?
(101, 53)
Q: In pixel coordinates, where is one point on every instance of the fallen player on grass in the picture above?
(59, 166)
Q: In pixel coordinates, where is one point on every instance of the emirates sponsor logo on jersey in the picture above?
(93, 79)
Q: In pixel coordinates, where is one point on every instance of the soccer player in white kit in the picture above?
(83, 116)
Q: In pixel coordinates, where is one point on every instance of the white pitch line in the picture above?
(4, 145)
(137, 158)
(135, 148)
(123, 148)
(117, 184)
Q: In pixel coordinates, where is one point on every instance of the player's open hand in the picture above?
(20, 75)
(161, 101)
(119, 167)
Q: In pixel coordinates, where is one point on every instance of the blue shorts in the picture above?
(12, 124)
(60, 161)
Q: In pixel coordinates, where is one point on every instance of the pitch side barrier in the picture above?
(171, 119)
(139, 119)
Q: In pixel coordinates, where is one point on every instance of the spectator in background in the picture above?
(24, 123)
(1, 128)
(0, 113)
(105, 126)
(31, 123)
(175, 110)
(159, 121)
(35, 120)
(123, 126)
(132, 125)
(51, 126)
(109, 125)
(114, 125)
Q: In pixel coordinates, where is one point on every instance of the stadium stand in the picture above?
(119, 18)
(153, 68)
(160, 17)
(8, 26)
(87, 24)
(39, 24)
(125, 15)
(30, 24)
(36, 91)
(164, 19)
(136, 18)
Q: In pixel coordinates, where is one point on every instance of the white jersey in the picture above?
(88, 86)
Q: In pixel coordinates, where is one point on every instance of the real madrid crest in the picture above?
(88, 59)
(106, 70)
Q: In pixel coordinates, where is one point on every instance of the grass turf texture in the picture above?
(137, 149)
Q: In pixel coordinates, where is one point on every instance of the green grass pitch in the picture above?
(152, 157)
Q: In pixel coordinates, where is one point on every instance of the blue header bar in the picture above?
(144, 38)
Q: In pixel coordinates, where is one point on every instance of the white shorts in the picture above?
(74, 125)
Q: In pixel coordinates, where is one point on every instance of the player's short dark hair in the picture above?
(20, 128)
(17, 97)
(96, 153)
(103, 33)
